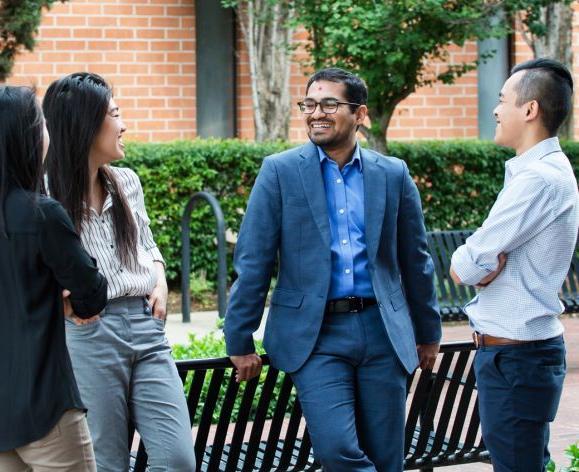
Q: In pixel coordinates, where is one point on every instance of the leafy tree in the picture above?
(267, 27)
(392, 44)
(19, 21)
(549, 33)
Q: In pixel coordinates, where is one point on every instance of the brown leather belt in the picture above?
(349, 304)
(484, 340)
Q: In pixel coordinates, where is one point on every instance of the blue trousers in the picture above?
(352, 390)
(519, 388)
(124, 369)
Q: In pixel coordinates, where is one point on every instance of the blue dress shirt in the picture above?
(345, 200)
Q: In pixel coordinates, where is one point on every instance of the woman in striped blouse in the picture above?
(121, 358)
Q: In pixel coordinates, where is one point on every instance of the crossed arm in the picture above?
(520, 212)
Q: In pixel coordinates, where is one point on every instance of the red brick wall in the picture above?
(442, 111)
(146, 50)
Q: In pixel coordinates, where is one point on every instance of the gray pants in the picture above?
(124, 369)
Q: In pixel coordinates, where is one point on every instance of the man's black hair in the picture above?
(356, 90)
(549, 83)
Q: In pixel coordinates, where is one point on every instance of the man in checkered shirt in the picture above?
(519, 258)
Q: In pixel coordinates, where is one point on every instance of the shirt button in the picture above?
(344, 241)
(338, 181)
(347, 271)
(341, 211)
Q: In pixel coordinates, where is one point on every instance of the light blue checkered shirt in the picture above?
(534, 221)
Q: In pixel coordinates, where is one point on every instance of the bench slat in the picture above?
(454, 383)
(277, 423)
(208, 409)
(241, 425)
(289, 443)
(224, 420)
(260, 418)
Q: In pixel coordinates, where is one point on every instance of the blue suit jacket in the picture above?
(287, 217)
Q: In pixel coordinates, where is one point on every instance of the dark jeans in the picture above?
(519, 388)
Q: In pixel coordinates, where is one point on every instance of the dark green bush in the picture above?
(458, 181)
(172, 172)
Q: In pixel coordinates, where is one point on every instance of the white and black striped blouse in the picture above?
(98, 239)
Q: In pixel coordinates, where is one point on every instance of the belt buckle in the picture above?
(355, 305)
(476, 340)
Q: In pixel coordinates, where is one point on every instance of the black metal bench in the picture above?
(453, 297)
(259, 425)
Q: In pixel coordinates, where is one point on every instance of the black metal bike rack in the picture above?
(186, 255)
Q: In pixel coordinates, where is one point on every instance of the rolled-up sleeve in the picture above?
(520, 212)
(468, 265)
(143, 222)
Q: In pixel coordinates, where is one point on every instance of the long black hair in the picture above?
(21, 141)
(75, 107)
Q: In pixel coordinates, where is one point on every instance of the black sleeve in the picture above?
(72, 267)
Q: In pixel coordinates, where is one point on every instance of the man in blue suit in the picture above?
(354, 311)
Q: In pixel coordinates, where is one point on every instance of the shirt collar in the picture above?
(356, 157)
(536, 153)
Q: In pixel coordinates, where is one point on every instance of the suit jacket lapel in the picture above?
(375, 189)
(313, 182)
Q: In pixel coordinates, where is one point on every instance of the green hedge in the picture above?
(458, 181)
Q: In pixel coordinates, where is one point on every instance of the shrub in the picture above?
(458, 181)
(211, 346)
(572, 452)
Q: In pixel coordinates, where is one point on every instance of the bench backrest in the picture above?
(453, 297)
(258, 425)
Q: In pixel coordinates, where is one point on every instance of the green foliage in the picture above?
(172, 172)
(202, 290)
(19, 21)
(458, 181)
(391, 44)
(211, 346)
(572, 452)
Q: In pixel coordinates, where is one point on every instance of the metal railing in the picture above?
(186, 255)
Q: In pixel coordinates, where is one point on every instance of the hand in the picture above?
(427, 355)
(158, 297)
(158, 301)
(66, 303)
(494, 274)
(248, 366)
(70, 314)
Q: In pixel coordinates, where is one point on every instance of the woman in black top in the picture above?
(42, 418)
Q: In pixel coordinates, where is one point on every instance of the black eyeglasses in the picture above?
(327, 105)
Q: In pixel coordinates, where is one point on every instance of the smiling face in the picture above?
(108, 144)
(331, 131)
(510, 118)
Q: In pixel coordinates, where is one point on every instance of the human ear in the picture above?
(361, 114)
(532, 111)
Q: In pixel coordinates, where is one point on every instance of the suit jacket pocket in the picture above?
(287, 297)
(397, 299)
